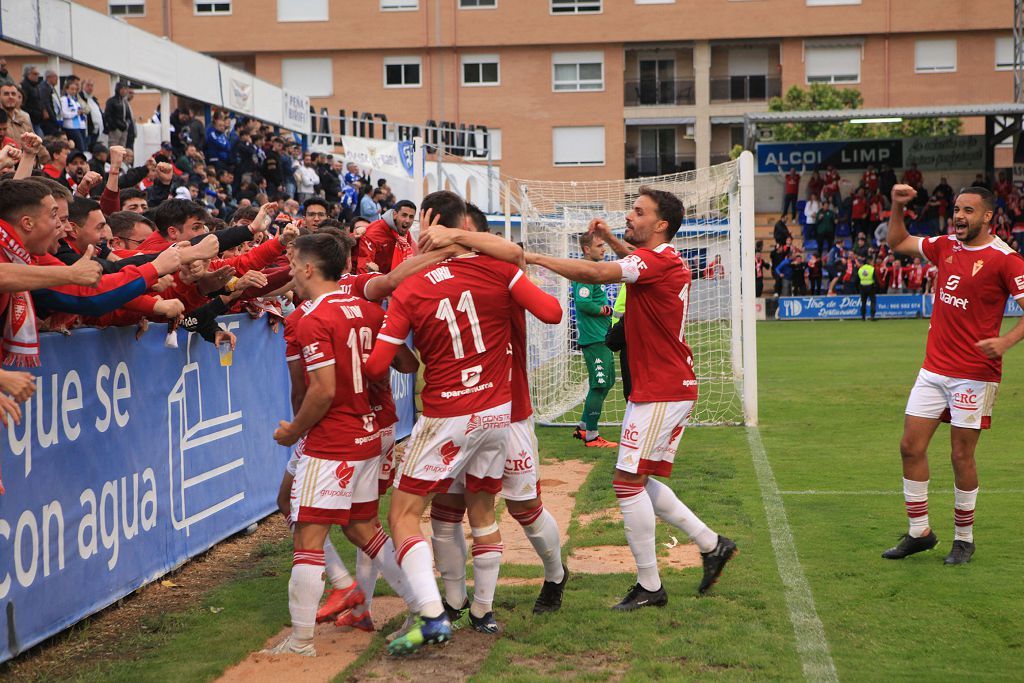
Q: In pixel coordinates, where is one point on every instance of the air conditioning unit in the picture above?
(688, 131)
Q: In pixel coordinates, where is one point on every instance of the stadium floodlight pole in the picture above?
(747, 288)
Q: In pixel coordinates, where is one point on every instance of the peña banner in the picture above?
(131, 458)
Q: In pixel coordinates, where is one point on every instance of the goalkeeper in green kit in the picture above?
(593, 318)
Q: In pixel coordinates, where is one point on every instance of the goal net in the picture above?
(719, 326)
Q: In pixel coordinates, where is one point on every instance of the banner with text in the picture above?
(940, 153)
(131, 458)
(383, 156)
(848, 307)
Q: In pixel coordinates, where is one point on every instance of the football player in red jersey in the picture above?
(975, 274)
(520, 484)
(664, 385)
(348, 603)
(458, 312)
(337, 473)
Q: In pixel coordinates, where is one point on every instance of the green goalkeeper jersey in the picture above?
(589, 300)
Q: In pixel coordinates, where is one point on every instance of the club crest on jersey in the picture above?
(949, 259)
(448, 452)
(965, 400)
(630, 436)
(344, 473)
(978, 265)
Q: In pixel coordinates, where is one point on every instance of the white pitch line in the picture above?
(894, 492)
(811, 643)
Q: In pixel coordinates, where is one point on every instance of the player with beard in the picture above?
(663, 392)
(957, 383)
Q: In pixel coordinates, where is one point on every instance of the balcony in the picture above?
(654, 92)
(745, 88)
(639, 165)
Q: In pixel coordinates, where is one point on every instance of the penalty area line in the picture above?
(811, 643)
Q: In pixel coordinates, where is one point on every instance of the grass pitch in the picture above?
(832, 396)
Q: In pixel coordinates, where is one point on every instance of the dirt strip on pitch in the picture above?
(462, 657)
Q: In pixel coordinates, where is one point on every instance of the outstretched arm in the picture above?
(578, 270)
(528, 295)
(438, 236)
(381, 287)
(620, 248)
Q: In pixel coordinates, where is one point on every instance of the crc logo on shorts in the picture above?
(965, 400)
(522, 462)
(630, 436)
(448, 452)
(344, 473)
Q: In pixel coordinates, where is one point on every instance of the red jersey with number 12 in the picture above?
(657, 298)
(459, 314)
(339, 331)
(971, 288)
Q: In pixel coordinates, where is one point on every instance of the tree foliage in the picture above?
(822, 97)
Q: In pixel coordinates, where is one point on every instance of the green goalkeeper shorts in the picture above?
(600, 365)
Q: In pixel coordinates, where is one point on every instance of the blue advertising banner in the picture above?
(773, 157)
(130, 458)
(847, 307)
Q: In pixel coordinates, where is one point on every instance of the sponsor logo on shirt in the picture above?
(1019, 281)
(965, 400)
(954, 301)
(312, 352)
(471, 376)
(952, 283)
(471, 390)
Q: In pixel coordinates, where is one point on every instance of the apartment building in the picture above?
(595, 89)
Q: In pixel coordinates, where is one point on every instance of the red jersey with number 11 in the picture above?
(339, 330)
(460, 314)
(657, 298)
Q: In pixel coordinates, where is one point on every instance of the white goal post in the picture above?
(720, 328)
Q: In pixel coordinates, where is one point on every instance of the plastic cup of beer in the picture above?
(225, 354)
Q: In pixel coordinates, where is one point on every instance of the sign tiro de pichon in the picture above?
(459, 139)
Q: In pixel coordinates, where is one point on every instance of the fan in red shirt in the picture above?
(976, 273)
(912, 176)
(870, 179)
(664, 386)
(337, 473)
(458, 312)
(386, 242)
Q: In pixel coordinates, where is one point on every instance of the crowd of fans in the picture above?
(843, 232)
(89, 236)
